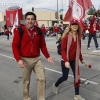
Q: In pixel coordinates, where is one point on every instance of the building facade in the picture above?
(46, 18)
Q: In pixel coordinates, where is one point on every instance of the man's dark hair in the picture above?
(30, 13)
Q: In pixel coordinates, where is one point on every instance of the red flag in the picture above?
(77, 9)
(68, 15)
(85, 5)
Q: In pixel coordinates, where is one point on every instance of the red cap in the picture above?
(74, 22)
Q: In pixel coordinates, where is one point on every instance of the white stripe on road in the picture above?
(96, 51)
(7, 56)
(86, 81)
(85, 44)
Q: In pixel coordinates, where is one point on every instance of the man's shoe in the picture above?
(88, 48)
(78, 97)
(55, 89)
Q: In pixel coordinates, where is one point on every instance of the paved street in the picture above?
(11, 77)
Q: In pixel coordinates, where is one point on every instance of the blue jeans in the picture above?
(95, 40)
(57, 36)
(65, 72)
(83, 33)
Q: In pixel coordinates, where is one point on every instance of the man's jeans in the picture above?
(95, 40)
(56, 36)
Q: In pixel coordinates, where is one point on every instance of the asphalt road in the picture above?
(11, 76)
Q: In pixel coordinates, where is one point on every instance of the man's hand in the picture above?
(83, 62)
(50, 60)
(21, 64)
(67, 65)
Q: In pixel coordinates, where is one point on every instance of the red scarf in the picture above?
(77, 74)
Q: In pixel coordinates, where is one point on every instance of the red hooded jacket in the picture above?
(43, 29)
(93, 26)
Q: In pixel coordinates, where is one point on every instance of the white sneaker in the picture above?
(78, 97)
(55, 89)
(88, 48)
(98, 48)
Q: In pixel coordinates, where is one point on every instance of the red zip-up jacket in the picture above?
(84, 28)
(26, 47)
(56, 30)
(43, 29)
(7, 31)
(93, 27)
(72, 50)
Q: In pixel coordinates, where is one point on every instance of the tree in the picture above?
(92, 11)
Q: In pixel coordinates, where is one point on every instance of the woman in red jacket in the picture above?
(71, 54)
(43, 29)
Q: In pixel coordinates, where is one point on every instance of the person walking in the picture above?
(43, 29)
(71, 54)
(92, 33)
(26, 51)
(7, 32)
(56, 31)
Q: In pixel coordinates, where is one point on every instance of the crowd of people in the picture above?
(5, 31)
(53, 30)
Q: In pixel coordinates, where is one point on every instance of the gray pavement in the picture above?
(11, 77)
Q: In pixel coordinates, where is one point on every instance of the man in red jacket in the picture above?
(27, 54)
(43, 29)
(92, 33)
(56, 31)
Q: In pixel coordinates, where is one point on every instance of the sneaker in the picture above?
(88, 48)
(98, 48)
(55, 89)
(78, 97)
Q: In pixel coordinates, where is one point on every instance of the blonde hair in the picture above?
(68, 30)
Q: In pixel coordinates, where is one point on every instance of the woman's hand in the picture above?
(83, 62)
(67, 65)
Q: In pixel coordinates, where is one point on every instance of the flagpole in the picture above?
(62, 10)
(57, 11)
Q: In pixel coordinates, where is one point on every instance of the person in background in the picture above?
(92, 33)
(7, 32)
(71, 54)
(56, 31)
(43, 29)
(27, 54)
(84, 30)
(2, 31)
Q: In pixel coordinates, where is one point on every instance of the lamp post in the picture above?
(57, 11)
(62, 12)
(62, 9)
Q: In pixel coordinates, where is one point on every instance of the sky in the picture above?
(39, 5)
